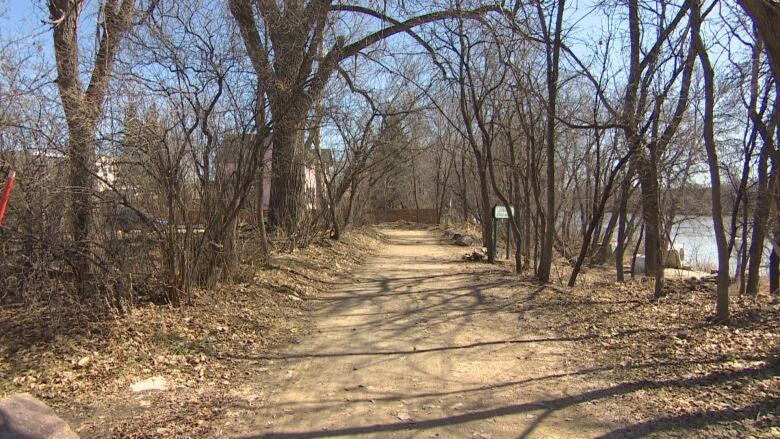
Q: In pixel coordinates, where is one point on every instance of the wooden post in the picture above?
(494, 250)
(508, 238)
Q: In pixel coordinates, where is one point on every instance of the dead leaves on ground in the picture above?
(84, 369)
(683, 371)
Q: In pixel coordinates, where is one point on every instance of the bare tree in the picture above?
(766, 17)
(647, 137)
(283, 42)
(83, 110)
(723, 280)
(552, 34)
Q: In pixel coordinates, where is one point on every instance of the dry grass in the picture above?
(83, 366)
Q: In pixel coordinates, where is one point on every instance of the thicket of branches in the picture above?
(145, 134)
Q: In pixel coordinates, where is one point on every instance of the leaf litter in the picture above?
(84, 366)
(681, 374)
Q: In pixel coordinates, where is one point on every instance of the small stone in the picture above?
(404, 416)
(153, 383)
(464, 241)
(83, 362)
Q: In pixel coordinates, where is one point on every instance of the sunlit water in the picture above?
(697, 237)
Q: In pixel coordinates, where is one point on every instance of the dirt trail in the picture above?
(419, 344)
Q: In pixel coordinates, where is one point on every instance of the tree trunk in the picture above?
(766, 17)
(596, 219)
(487, 218)
(621, 231)
(636, 250)
(328, 183)
(602, 255)
(350, 203)
(651, 215)
(743, 254)
(553, 50)
(294, 70)
(758, 235)
(265, 254)
(464, 188)
(83, 111)
(81, 163)
(763, 197)
(774, 273)
(511, 214)
(722, 303)
(287, 169)
(519, 232)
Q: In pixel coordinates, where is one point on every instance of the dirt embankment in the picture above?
(84, 368)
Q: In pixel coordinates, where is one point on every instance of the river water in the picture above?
(697, 237)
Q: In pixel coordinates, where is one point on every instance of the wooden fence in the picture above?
(424, 216)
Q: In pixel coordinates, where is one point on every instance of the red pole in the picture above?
(9, 184)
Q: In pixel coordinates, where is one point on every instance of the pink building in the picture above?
(312, 181)
(310, 174)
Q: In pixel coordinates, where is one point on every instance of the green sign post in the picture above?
(500, 213)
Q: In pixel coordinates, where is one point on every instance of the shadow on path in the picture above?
(689, 422)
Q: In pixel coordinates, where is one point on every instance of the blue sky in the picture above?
(22, 17)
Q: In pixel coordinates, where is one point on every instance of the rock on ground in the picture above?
(25, 417)
(153, 383)
(465, 241)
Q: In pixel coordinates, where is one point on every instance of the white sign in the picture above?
(499, 212)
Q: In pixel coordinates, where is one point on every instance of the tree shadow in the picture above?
(405, 352)
(687, 422)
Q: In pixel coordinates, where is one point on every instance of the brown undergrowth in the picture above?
(84, 367)
(682, 374)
